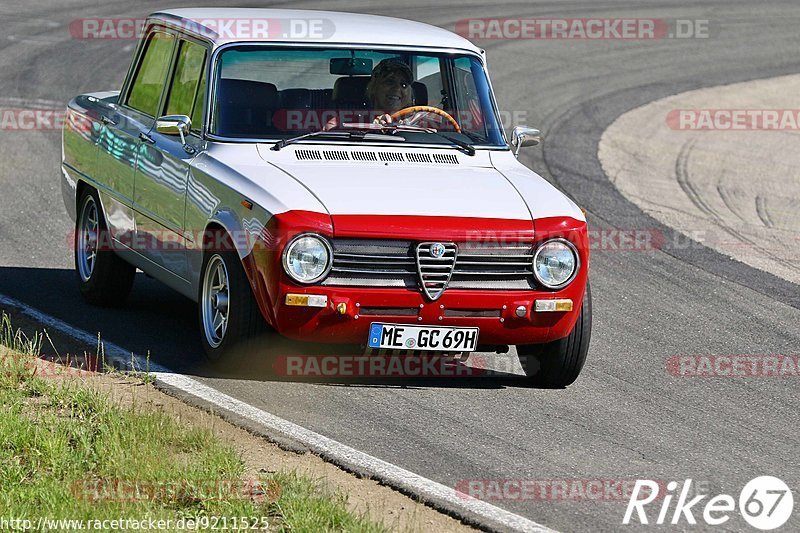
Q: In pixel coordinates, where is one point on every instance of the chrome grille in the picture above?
(392, 263)
(372, 263)
(435, 270)
(512, 261)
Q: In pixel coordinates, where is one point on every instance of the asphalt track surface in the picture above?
(626, 417)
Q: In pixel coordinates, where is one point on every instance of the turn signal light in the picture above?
(562, 304)
(307, 300)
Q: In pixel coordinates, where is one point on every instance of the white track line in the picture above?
(329, 448)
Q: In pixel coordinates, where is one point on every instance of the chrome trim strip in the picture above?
(372, 271)
(493, 268)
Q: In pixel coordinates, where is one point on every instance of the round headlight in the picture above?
(555, 263)
(307, 258)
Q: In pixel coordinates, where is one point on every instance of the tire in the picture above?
(558, 364)
(225, 295)
(104, 278)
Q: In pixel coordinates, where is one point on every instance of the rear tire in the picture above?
(558, 364)
(230, 320)
(104, 278)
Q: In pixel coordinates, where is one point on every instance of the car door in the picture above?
(164, 159)
(123, 123)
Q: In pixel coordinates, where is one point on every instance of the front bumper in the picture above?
(494, 312)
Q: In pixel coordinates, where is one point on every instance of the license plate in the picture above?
(407, 337)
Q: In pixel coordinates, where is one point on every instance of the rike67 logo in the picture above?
(765, 503)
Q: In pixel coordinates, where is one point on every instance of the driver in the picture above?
(389, 88)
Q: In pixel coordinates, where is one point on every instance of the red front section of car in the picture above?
(493, 311)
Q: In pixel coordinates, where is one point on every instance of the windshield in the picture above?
(278, 93)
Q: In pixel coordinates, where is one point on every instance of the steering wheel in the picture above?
(426, 109)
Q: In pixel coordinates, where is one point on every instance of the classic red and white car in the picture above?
(339, 178)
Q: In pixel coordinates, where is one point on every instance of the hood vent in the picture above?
(418, 158)
(446, 159)
(364, 156)
(336, 155)
(308, 155)
(390, 156)
(303, 154)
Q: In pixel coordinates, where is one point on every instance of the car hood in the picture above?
(469, 188)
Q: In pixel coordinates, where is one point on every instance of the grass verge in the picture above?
(67, 451)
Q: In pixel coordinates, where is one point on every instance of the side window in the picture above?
(145, 93)
(465, 83)
(468, 102)
(430, 75)
(197, 112)
(183, 96)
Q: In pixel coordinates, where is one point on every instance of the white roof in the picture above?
(225, 25)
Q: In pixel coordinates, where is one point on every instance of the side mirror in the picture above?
(174, 125)
(525, 136)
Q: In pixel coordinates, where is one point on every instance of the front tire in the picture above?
(558, 364)
(228, 312)
(104, 278)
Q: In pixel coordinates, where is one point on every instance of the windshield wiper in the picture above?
(349, 135)
(467, 147)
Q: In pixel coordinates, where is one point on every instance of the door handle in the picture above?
(146, 138)
(107, 121)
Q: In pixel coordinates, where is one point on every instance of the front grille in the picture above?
(393, 263)
(435, 262)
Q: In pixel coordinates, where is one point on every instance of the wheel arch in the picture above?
(242, 241)
(80, 186)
